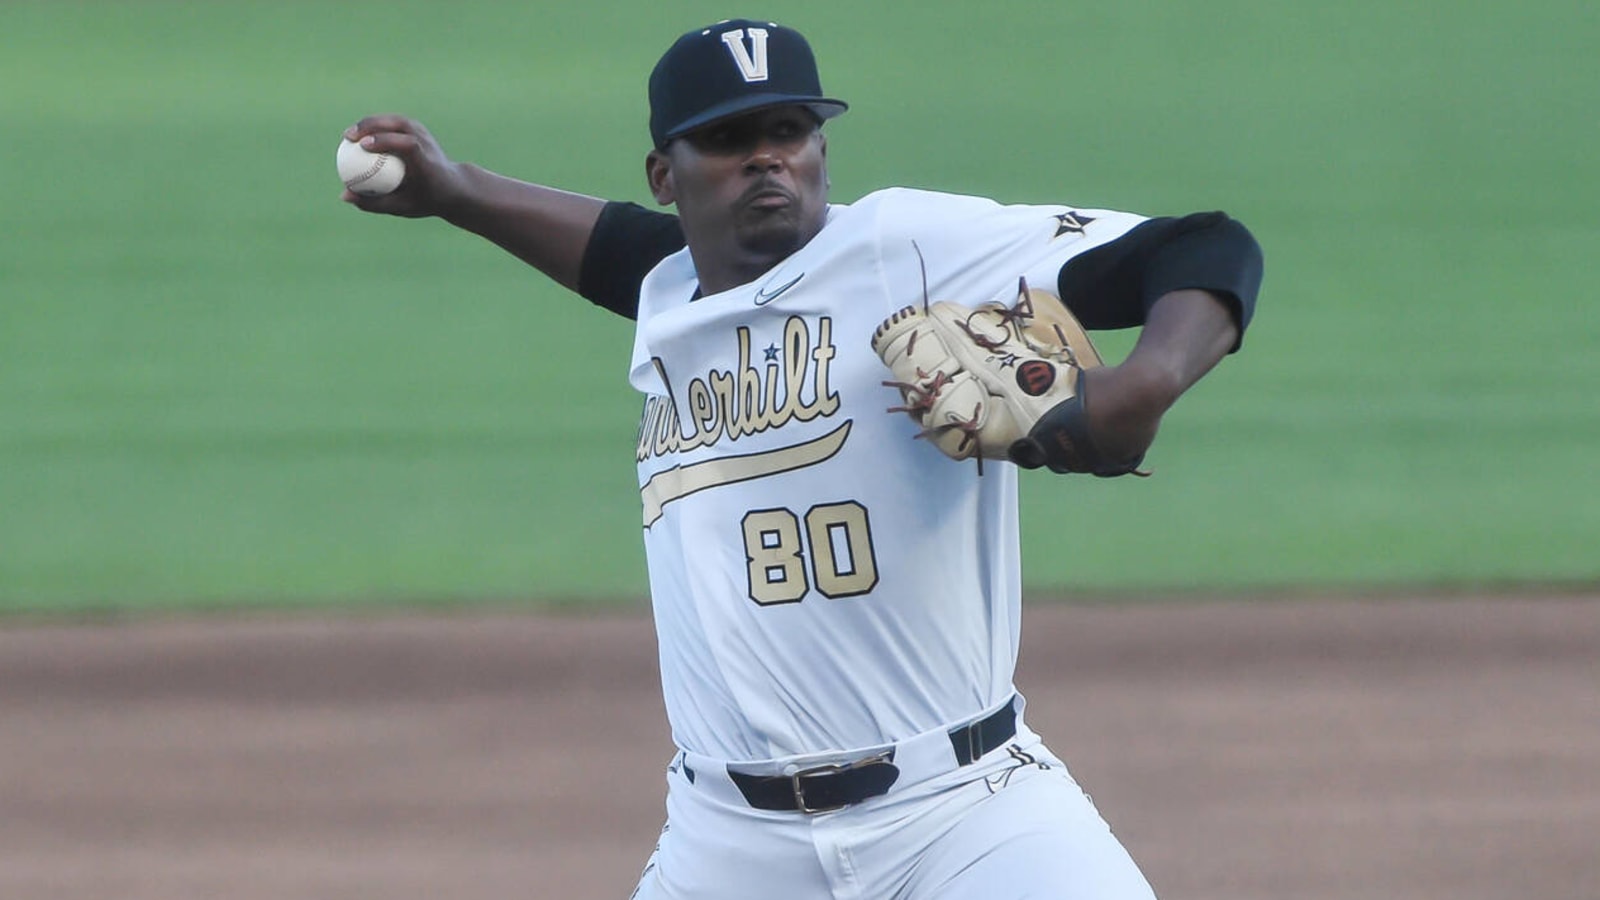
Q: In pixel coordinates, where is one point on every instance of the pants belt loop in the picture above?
(972, 742)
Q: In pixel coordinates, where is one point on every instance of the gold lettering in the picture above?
(827, 399)
(707, 421)
(745, 418)
(745, 400)
(723, 386)
(667, 434)
(796, 339)
(775, 413)
(652, 407)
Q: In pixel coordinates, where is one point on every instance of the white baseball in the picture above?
(366, 172)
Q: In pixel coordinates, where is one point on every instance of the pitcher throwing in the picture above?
(837, 400)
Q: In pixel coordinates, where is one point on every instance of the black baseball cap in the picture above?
(733, 67)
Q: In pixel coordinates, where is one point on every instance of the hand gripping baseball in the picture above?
(997, 382)
(433, 182)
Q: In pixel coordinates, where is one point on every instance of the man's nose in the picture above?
(764, 157)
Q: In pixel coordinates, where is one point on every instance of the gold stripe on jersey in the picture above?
(681, 481)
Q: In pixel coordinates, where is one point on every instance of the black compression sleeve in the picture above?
(627, 242)
(1114, 285)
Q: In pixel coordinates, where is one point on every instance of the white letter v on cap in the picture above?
(753, 66)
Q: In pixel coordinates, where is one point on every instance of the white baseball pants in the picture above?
(1012, 826)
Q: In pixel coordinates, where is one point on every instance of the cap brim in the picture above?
(824, 107)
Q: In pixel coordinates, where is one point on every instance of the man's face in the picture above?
(750, 190)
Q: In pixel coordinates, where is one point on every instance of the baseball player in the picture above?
(837, 602)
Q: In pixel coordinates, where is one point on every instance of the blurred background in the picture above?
(220, 387)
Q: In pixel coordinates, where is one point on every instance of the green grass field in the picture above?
(220, 386)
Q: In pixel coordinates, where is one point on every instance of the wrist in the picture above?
(1149, 385)
(453, 198)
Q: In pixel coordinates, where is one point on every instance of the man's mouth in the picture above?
(768, 197)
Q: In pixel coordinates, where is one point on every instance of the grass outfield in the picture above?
(218, 385)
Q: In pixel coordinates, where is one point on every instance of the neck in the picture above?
(730, 262)
(714, 279)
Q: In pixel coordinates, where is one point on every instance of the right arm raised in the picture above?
(546, 228)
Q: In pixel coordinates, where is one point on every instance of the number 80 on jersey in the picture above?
(840, 562)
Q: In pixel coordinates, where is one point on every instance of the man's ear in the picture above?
(658, 172)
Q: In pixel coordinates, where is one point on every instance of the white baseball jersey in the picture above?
(822, 581)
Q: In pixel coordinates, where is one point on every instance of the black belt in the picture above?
(826, 788)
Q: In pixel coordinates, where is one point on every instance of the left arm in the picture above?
(1186, 333)
(1192, 283)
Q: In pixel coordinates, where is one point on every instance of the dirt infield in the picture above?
(1310, 750)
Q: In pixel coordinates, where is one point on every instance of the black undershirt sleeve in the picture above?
(1114, 285)
(627, 242)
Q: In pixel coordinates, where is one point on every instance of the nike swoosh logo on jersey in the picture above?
(763, 296)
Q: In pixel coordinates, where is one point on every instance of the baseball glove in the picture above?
(998, 382)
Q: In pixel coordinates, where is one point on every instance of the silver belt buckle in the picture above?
(797, 780)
